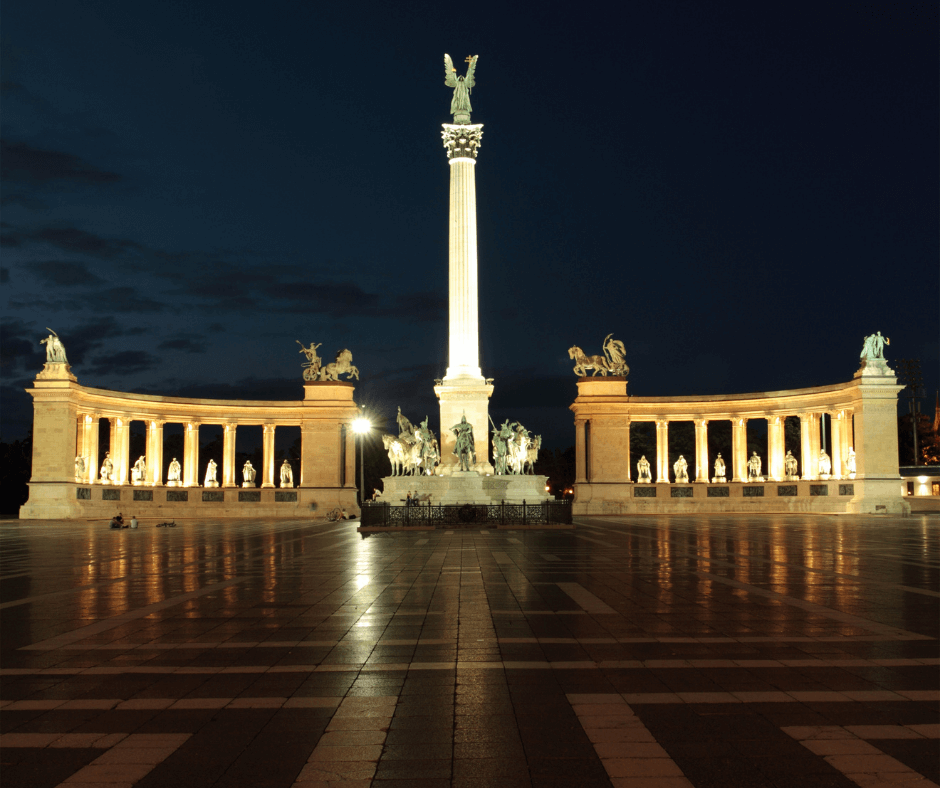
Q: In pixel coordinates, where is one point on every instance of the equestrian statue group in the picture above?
(414, 451)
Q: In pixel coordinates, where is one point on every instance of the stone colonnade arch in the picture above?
(67, 420)
(863, 419)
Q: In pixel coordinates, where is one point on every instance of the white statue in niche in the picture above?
(719, 470)
(287, 475)
(791, 467)
(211, 478)
(174, 474)
(643, 471)
(248, 472)
(139, 471)
(681, 469)
(825, 465)
(850, 463)
(79, 468)
(107, 469)
(754, 468)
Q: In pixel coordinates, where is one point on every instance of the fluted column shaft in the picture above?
(837, 420)
(662, 450)
(90, 426)
(228, 455)
(776, 448)
(267, 476)
(701, 450)
(191, 454)
(580, 452)
(154, 453)
(739, 449)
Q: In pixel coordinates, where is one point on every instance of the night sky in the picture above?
(740, 192)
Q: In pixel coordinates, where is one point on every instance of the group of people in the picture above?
(117, 522)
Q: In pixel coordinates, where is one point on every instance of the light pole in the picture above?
(361, 426)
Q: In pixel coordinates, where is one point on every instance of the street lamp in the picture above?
(361, 426)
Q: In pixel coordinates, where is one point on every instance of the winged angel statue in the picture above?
(460, 106)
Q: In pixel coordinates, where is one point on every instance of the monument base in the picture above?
(465, 487)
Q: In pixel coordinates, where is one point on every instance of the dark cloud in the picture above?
(125, 362)
(64, 273)
(249, 388)
(17, 408)
(128, 299)
(71, 239)
(216, 327)
(421, 307)
(183, 343)
(21, 162)
(4, 275)
(18, 342)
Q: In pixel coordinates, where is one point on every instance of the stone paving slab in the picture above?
(772, 650)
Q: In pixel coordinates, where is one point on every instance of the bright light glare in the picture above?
(361, 425)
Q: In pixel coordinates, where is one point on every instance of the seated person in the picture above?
(117, 521)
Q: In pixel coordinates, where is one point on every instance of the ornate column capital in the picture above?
(462, 142)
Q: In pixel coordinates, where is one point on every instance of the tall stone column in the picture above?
(776, 447)
(580, 452)
(662, 450)
(701, 450)
(154, 453)
(463, 391)
(739, 449)
(122, 449)
(228, 455)
(90, 428)
(837, 420)
(267, 476)
(809, 445)
(191, 454)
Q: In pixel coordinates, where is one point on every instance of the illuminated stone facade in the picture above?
(66, 425)
(863, 415)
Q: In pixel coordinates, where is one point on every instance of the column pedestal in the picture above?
(458, 397)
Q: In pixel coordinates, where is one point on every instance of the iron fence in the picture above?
(465, 515)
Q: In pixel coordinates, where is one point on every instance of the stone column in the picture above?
(837, 420)
(739, 449)
(154, 453)
(267, 475)
(580, 461)
(847, 440)
(351, 457)
(463, 391)
(626, 451)
(122, 437)
(228, 455)
(90, 427)
(191, 454)
(662, 450)
(701, 450)
(809, 445)
(776, 447)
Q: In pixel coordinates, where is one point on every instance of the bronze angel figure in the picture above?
(460, 105)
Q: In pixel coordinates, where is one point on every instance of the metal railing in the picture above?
(465, 515)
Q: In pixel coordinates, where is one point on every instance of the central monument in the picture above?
(463, 391)
(459, 471)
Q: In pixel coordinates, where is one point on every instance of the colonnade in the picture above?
(774, 464)
(193, 473)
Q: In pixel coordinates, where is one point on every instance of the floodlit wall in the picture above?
(863, 415)
(66, 426)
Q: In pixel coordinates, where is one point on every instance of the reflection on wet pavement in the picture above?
(767, 650)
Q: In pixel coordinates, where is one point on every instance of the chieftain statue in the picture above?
(460, 105)
(464, 447)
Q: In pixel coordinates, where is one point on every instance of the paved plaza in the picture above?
(642, 651)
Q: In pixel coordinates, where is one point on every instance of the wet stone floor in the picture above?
(766, 650)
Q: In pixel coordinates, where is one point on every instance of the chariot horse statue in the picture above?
(342, 366)
(612, 362)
